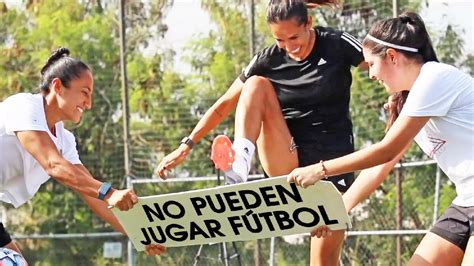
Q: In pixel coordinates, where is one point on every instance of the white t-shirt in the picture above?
(446, 94)
(20, 174)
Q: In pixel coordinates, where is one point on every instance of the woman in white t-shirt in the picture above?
(35, 145)
(438, 114)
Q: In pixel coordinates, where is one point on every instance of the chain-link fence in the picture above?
(375, 238)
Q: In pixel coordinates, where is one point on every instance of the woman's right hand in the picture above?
(171, 160)
(123, 199)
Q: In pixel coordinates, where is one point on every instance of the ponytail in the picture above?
(406, 30)
(61, 65)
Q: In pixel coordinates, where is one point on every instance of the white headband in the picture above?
(400, 47)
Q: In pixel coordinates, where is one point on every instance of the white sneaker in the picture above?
(239, 171)
(234, 165)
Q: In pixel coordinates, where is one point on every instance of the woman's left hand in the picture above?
(305, 176)
(154, 249)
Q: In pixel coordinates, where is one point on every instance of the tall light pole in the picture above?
(252, 28)
(124, 85)
(125, 111)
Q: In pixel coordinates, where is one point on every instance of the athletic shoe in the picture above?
(226, 159)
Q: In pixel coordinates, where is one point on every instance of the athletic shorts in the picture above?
(456, 225)
(4, 236)
(313, 149)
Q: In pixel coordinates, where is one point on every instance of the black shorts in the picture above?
(326, 147)
(4, 236)
(456, 225)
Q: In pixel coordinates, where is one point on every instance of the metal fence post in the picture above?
(436, 195)
(126, 113)
(272, 252)
(399, 211)
(130, 248)
(124, 83)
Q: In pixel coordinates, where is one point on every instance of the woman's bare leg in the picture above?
(259, 119)
(327, 251)
(469, 253)
(435, 250)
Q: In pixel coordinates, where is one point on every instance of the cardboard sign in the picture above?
(246, 211)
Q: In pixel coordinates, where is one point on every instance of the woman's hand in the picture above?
(154, 249)
(122, 199)
(390, 104)
(306, 176)
(171, 160)
(321, 231)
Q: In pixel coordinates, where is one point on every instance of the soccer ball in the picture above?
(10, 257)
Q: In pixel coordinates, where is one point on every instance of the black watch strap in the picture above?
(188, 141)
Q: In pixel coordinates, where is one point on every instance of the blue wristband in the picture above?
(103, 190)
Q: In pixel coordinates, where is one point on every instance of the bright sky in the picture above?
(436, 16)
(186, 19)
(456, 12)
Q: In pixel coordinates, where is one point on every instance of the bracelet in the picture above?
(325, 171)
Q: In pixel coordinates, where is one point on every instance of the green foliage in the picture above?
(367, 99)
(91, 34)
(469, 64)
(449, 47)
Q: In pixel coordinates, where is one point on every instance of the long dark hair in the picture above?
(281, 10)
(61, 65)
(407, 30)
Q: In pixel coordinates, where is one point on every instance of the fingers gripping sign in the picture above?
(154, 249)
(321, 231)
(297, 179)
(307, 176)
(122, 199)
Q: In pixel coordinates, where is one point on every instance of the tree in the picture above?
(90, 31)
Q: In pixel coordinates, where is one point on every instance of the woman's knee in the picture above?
(257, 85)
(329, 244)
(327, 251)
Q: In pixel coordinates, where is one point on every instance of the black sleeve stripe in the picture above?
(352, 41)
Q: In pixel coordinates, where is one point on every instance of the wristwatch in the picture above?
(103, 190)
(188, 141)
